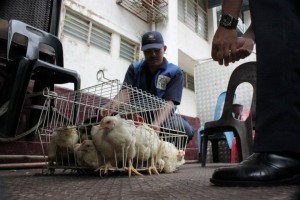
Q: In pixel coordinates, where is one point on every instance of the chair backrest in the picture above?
(36, 39)
(246, 72)
(219, 105)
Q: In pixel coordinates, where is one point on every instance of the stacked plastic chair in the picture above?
(242, 129)
(215, 138)
(29, 67)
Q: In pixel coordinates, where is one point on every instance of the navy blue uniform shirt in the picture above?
(163, 84)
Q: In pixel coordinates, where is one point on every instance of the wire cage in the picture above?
(71, 122)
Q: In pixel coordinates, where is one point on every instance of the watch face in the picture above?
(227, 20)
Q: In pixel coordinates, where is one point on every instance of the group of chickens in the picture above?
(116, 143)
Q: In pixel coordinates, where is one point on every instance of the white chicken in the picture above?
(104, 148)
(170, 157)
(87, 155)
(78, 154)
(121, 134)
(85, 128)
(62, 143)
(147, 144)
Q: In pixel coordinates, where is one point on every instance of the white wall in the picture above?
(191, 44)
(88, 60)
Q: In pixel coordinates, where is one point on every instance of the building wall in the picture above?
(88, 60)
(191, 44)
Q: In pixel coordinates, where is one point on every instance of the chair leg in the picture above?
(200, 139)
(204, 150)
(215, 150)
(16, 100)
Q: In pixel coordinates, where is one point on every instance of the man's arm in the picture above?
(111, 107)
(224, 45)
(162, 115)
(123, 95)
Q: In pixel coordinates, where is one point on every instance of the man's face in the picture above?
(154, 57)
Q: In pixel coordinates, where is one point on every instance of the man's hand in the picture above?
(108, 109)
(227, 47)
(224, 46)
(244, 47)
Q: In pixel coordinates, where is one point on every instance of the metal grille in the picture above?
(79, 112)
(147, 10)
(41, 14)
(193, 16)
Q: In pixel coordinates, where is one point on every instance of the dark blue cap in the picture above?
(152, 40)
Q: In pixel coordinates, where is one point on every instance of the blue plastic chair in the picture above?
(228, 135)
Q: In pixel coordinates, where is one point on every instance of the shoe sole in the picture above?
(295, 180)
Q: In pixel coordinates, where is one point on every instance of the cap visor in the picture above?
(152, 46)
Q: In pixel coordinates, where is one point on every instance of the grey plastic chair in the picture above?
(217, 136)
(242, 129)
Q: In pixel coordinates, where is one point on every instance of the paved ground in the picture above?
(189, 182)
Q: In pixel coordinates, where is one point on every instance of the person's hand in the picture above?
(244, 47)
(105, 112)
(224, 46)
(108, 110)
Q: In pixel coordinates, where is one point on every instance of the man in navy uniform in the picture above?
(157, 76)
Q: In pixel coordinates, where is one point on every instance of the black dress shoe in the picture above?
(260, 169)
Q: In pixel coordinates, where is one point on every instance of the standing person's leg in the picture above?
(278, 77)
(277, 154)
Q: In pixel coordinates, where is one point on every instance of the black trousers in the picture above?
(277, 31)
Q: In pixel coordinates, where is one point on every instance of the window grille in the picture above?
(87, 31)
(193, 16)
(188, 81)
(100, 38)
(148, 10)
(128, 50)
(76, 27)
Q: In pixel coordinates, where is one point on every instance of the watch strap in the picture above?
(228, 21)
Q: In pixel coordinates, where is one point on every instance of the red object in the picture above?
(233, 151)
(244, 116)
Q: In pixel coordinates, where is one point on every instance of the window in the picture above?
(193, 14)
(128, 50)
(100, 38)
(188, 81)
(76, 27)
(86, 31)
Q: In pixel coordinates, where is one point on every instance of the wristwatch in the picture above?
(229, 22)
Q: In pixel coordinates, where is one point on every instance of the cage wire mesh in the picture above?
(68, 120)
